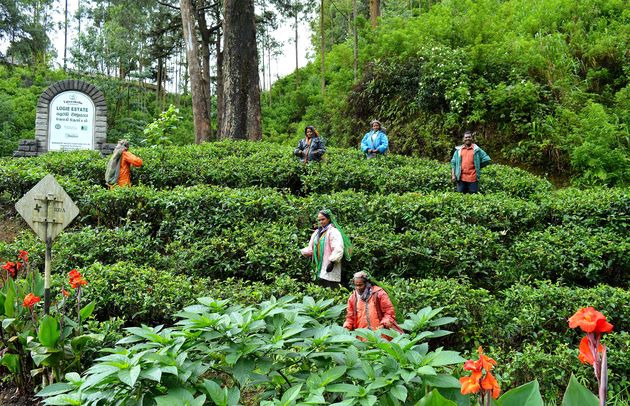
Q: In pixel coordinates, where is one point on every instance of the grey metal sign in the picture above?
(47, 208)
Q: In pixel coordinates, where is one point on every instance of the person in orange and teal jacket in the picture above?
(119, 167)
(369, 307)
(466, 164)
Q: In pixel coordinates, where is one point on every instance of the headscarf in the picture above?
(369, 282)
(347, 244)
(380, 126)
(113, 166)
(368, 285)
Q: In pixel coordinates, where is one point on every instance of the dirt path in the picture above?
(10, 223)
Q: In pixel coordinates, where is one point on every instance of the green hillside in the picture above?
(544, 84)
(227, 220)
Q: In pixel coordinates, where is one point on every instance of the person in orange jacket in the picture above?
(369, 307)
(119, 166)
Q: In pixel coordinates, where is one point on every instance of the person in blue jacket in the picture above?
(375, 141)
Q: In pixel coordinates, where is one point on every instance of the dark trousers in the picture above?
(328, 284)
(467, 187)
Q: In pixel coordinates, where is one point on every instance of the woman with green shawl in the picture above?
(328, 245)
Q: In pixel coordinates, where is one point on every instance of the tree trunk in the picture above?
(241, 118)
(297, 73)
(269, 65)
(65, 37)
(323, 46)
(355, 33)
(205, 56)
(375, 12)
(201, 116)
(217, 47)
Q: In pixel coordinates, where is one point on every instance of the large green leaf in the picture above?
(446, 358)
(6, 323)
(87, 310)
(399, 392)
(441, 381)
(435, 399)
(175, 396)
(577, 395)
(55, 389)
(9, 303)
(290, 395)
(12, 362)
(49, 333)
(215, 391)
(129, 375)
(528, 394)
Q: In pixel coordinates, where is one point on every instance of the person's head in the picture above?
(360, 280)
(310, 132)
(375, 124)
(323, 218)
(468, 138)
(123, 144)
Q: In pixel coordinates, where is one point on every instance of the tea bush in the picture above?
(240, 164)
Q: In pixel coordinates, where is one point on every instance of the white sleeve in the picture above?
(308, 251)
(336, 243)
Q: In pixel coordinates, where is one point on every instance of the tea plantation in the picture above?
(226, 220)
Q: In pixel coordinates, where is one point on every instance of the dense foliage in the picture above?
(226, 220)
(544, 84)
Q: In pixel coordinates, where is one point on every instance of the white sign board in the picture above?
(71, 122)
(47, 208)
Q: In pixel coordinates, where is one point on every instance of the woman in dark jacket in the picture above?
(310, 148)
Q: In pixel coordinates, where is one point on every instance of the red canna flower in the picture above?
(64, 292)
(76, 280)
(481, 379)
(590, 321)
(30, 300)
(23, 255)
(472, 365)
(470, 384)
(11, 268)
(586, 356)
(490, 384)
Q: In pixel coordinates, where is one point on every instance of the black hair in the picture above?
(313, 130)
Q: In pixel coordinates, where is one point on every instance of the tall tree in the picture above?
(199, 87)
(322, 33)
(375, 12)
(241, 89)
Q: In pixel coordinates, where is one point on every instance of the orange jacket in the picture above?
(378, 314)
(124, 178)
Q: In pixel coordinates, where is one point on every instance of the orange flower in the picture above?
(76, 280)
(489, 383)
(23, 255)
(64, 292)
(30, 300)
(486, 362)
(11, 268)
(472, 365)
(590, 321)
(585, 355)
(477, 379)
(470, 384)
